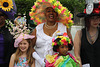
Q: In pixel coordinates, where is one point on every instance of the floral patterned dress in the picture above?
(22, 62)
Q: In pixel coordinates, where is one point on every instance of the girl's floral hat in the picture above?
(21, 37)
(38, 9)
(61, 39)
(19, 32)
(8, 7)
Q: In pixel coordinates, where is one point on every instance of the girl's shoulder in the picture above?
(13, 55)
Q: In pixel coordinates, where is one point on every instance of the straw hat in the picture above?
(38, 10)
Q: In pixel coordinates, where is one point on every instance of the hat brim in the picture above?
(81, 15)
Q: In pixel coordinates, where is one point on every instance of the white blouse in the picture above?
(44, 42)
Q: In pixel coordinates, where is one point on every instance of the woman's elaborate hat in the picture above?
(8, 7)
(38, 9)
(92, 8)
(19, 32)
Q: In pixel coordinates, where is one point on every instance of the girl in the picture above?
(23, 56)
(61, 44)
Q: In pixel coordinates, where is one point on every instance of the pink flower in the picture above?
(34, 7)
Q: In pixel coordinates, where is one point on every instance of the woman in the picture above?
(87, 40)
(44, 32)
(6, 39)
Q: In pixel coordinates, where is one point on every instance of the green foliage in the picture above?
(74, 5)
(24, 6)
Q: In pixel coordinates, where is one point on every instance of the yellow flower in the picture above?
(55, 4)
(59, 11)
(70, 21)
(58, 61)
(6, 5)
(50, 58)
(40, 0)
(50, 1)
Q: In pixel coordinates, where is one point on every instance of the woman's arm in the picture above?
(77, 45)
(33, 65)
(11, 64)
(35, 54)
(69, 34)
(34, 39)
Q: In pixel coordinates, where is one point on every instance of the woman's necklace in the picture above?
(90, 38)
(50, 27)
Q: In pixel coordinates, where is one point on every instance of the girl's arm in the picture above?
(11, 64)
(77, 45)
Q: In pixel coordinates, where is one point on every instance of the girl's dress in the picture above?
(44, 42)
(61, 61)
(22, 62)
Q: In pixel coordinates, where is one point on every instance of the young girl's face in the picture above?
(63, 49)
(23, 45)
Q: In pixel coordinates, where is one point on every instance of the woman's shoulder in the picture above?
(61, 24)
(73, 57)
(40, 25)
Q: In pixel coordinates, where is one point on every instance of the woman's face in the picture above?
(23, 45)
(63, 49)
(95, 20)
(2, 19)
(51, 15)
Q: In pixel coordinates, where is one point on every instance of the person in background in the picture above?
(6, 39)
(49, 21)
(87, 40)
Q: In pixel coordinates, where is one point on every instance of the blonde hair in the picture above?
(29, 57)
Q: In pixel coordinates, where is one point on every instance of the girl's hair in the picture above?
(55, 47)
(28, 54)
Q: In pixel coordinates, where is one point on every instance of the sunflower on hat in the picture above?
(37, 12)
(6, 5)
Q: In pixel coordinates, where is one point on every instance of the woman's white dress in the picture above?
(44, 42)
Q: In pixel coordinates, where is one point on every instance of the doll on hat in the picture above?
(61, 44)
